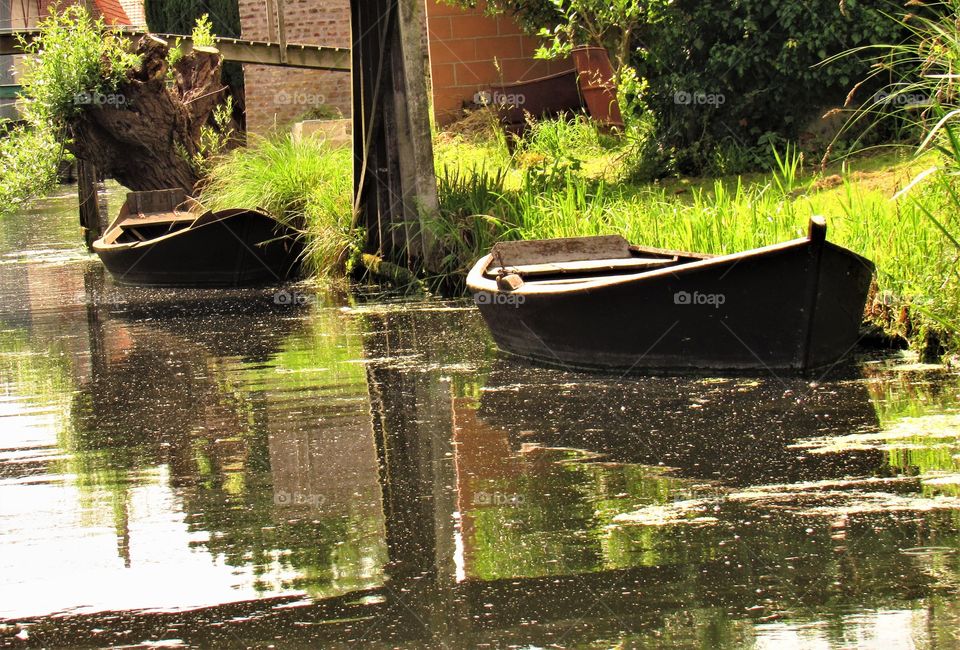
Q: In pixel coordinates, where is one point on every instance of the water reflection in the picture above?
(217, 468)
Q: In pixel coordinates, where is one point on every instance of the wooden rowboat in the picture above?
(597, 302)
(164, 238)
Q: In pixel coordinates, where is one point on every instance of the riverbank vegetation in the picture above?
(567, 179)
(714, 157)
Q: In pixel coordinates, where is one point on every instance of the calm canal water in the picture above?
(287, 467)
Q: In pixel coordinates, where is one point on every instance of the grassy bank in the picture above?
(303, 184)
(567, 179)
(573, 183)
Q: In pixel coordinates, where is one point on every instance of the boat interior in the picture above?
(562, 261)
(148, 215)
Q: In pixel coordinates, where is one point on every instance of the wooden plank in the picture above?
(395, 182)
(281, 31)
(154, 220)
(293, 55)
(415, 139)
(570, 249)
(154, 201)
(90, 220)
(586, 266)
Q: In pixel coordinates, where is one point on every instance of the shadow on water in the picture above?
(221, 469)
(738, 430)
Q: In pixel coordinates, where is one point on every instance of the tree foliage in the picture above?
(180, 16)
(75, 63)
(129, 110)
(711, 74)
(746, 73)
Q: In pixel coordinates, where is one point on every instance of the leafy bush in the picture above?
(718, 82)
(747, 69)
(74, 60)
(81, 58)
(29, 158)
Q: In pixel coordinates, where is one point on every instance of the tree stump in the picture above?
(147, 134)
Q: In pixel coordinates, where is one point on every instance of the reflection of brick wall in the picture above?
(278, 96)
(464, 43)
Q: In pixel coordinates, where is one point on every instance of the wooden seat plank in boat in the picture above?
(577, 255)
(569, 249)
(585, 266)
(152, 220)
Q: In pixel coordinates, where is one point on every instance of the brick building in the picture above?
(278, 96)
(463, 45)
(469, 51)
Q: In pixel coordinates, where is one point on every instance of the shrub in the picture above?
(719, 80)
(73, 60)
(747, 69)
(76, 57)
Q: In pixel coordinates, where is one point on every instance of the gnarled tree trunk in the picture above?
(147, 135)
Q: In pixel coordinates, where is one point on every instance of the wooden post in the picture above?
(91, 219)
(395, 185)
(281, 32)
(271, 19)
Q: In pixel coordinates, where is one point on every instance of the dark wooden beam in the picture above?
(394, 179)
(289, 55)
(92, 214)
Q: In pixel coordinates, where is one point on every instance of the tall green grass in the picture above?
(303, 184)
(922, 92)
(916, 262)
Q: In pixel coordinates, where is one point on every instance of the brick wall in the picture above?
(278, 96)
(464, 43)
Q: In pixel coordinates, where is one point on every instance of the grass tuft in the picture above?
(304, 184)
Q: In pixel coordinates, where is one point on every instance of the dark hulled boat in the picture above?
(597, 302)
(164, 238)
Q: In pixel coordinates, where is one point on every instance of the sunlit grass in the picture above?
(301, 183)
(558, 197)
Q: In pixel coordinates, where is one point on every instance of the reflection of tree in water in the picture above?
(174, 394)
(246, 528)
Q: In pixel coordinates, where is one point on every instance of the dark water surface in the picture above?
(288, 467)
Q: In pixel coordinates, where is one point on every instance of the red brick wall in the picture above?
(275, 97)
(464, 43)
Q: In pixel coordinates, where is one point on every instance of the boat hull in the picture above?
(794, 306)
(239, 248)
